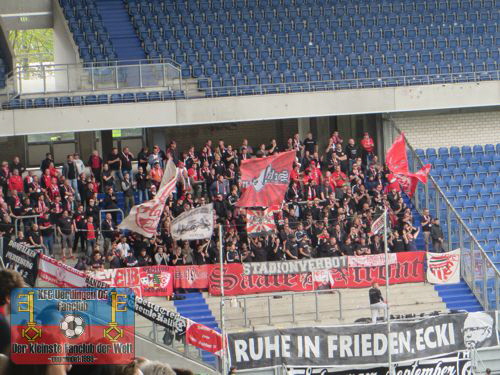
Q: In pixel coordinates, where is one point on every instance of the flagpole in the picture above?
(222, 324)
(386, 251)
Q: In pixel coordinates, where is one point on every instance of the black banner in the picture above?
(363, 344)
(22, 259)
(458, 364)
(174, 323)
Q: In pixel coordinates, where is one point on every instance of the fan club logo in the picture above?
(71, 326)
(443, 267)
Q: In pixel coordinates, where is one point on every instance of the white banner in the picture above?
(443, 268)
(144, 218)
(375, 260)
(195, 224)
(60, 274)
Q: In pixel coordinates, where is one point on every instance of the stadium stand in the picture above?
(469, 177)
(303, 44)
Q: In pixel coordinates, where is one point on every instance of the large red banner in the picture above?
(409, 268)
(265, 180)
(236, 282)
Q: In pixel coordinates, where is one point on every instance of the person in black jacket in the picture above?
(377, 302)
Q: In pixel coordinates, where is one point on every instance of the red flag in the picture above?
(396, 158)
(260, 222)
(414, 178)
(266, 180)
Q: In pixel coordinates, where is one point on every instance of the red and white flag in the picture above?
(260, 222)
(144, 218)
(265, 181)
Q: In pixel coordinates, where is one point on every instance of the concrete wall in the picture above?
(249, 108)
(450, 128)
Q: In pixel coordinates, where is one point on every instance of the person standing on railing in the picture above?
(426, 228)
(47, 232)
(437, 237)
(377, 302)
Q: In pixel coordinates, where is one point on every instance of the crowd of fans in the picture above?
(333, 197)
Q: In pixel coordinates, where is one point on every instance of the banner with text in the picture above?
(23, 259)
(294, 266)
(355, 345)
(408, 268)
(457, 364)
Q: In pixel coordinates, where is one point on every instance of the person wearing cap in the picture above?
(130, 260)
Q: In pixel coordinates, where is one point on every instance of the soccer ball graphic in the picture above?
(72, 326)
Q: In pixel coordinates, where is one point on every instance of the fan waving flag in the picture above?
(397, 162)
(144, 218)
(266, 180)
(260, 222)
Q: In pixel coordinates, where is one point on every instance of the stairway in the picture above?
(121, 32)
(196, 308)
(417, 219)
(355, 305)
(458, 297)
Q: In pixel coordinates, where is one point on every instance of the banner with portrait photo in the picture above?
(363, 344)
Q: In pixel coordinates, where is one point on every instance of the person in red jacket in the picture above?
(16, 181)
(338, 177)
(368, 148)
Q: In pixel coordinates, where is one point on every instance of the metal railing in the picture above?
(158, 335)
(266, 306)
(477, 269)
(354, 83)
(47, 78)
(21, 219)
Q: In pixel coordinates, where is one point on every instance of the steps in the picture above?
(121, 31)
(423, 299)
(458, 297)
(195, 308)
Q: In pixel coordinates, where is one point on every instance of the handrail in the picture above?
(489, 262)
(358, 83)
(268, 297)
(17, 218)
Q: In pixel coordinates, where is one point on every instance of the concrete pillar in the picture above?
(106, 142)
(323, 133)
(304, 126)
(156, 136)
(346, 127)
(86, 144)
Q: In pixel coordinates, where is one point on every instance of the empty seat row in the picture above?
(94, 99)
